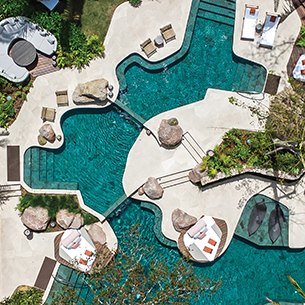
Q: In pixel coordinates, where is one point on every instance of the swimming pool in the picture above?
(95, 156)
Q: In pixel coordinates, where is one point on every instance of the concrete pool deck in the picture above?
(129, 27)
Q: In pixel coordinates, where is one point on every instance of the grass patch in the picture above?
(96, 16)
(54, 203)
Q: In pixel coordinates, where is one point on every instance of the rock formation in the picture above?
(170, 133)
(69, 220)
(92, 92)
(47, 132)
(196, 174)
(36, 219)
(182, 221)
(97, 234)
(152, 188)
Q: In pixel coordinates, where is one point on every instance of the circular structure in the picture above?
(23, 53)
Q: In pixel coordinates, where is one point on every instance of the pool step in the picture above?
(221, 11)
(174, 179)
(192, 146)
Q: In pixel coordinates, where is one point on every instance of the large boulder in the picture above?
(91, 92)
(152, 188)
(170, 133)
(36, 219)
(69, 220)
(182, 221)
(97, 234)
(47, 132)
(196, 174)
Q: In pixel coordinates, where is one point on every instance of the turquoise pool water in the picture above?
(97, 144)
(249, 274)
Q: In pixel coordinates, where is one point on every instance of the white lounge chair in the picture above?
(46, 44)
(249, 23)
(299, 69)
(269, 30)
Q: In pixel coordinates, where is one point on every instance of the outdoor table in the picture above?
(23, 53)
(158, 41)
(259, 27)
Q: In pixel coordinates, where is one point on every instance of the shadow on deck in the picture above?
(224, 230)
(103, 258)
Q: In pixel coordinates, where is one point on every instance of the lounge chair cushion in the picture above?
(252, 11)
(302, 72)
(208, 250)
(303, 62)
(202, 235)
(195, 229)
(272, 18)
(71, 239)
(89, 253)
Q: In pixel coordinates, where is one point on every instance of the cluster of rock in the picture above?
(170, 133)
(93, 92)
(37, 219)
(97, 234)
(251, 170)
(151, 188)
(196, 174)
(182, 221)
(46, 133)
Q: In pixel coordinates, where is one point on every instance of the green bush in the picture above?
(89, 218)
(6, 110)
(25, 296)
(301, 42)
(234, 152)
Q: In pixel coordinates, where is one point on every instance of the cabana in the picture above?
(269, 30)
(77, 248)
(249, 23)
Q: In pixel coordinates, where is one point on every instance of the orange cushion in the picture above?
(89, 253)
(252, 11)
(212, 242)
(272, 19)
(83, 261)
(303, 62)
(303, 72)
(207, 249)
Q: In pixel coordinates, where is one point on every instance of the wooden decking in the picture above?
(297, 51)
(42, 65)
(103, 258)
(223, 228)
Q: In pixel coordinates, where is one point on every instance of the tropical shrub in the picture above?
(24, 296)
(53, 204)
(301, 41)
(241, 148)
(6, 110)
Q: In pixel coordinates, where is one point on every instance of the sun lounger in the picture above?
(89, 253)
(48, 114)
(269, 30)
(275, 224)
(208, 250)
(62, 98)
(83, 261)
(148, 47)
(168, 33)
(249, 22)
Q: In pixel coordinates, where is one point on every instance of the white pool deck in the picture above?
(20, 259)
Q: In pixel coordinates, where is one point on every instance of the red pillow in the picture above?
(89, 253)
(252, 11)
(212, 242)
(207, 249)
(272, 19)
(83, 261)
(303, 72)
(303, 62)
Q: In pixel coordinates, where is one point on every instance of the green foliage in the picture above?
(14, 8)
(139, 275)
(6, 110)
(235, 153)
(53, 204)
(301, 41)
(24, 296)
(135, 2)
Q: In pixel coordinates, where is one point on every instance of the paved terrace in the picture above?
(130, 27)
(20, 259)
